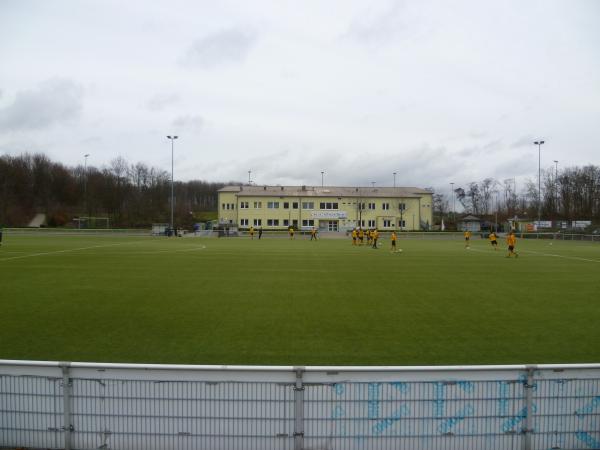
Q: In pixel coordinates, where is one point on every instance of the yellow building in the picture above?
(327, 208)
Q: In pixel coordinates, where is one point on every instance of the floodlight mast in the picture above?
(539, 144)
(172, 139)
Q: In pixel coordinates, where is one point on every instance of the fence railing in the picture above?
(122, 406)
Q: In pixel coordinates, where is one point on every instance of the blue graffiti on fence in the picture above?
(588, 408)
(502, 398)
(384, 424)
(587, 439)
(466, 386)
(373, 400)
(438, 403)
(509, 424)
(339, 389)
(400, 386)
(338, 412)
(447, 425)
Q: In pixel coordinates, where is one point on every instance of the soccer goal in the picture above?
(92, 223)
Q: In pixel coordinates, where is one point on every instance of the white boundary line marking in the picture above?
(201, 247)
(31, 255)
(552, 255)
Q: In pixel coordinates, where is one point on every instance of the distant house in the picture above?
(469, 223)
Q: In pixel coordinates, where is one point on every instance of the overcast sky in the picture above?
(436, 91)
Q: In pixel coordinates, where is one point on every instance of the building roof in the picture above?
(325, 191)
(470, 219)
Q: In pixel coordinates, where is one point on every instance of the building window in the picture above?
(286, 223)
(272, 222)
(295, 205)
(371, 205)
(286, 205)
(244, 205)
(372, 224)
(257, 222)
(361, 206)
(295, 223)
(362, 223)
(308, 205)
(402, 223)
(387, 223)
(257, 205)
(385, 206)
(308, 223)
(328, 205)
(273, 205)
(244, 222)
(222, 205)
(402, 206)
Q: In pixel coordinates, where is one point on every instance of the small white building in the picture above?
(470, 223)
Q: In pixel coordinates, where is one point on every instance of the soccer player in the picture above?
(251, 232)
(291, 232)
(493, 240)
(259, 233)
(393, 238)
(467, 235)
(361, 236)
(313, 234)
(374, 237)
(511, 240)
(354, 236)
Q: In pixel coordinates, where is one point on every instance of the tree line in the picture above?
(571, 194)
(130, 195)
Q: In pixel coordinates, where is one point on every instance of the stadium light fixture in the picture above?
(539, 144)
(322, 178)
(394, 179)
(172, 139)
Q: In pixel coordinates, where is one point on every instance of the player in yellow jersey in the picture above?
(511, 240)
(361, 236)
(374, 237)
(251, 232)
(493, 240)
(291, 232)
(354, 236)
(467, 235)
(393, 238)
(313, 233)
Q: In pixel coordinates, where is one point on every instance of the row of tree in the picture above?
(571, 194)
(131, 195)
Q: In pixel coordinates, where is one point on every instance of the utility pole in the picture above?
(172, 138)
(539, 144)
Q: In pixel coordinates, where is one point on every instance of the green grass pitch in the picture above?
(276, 301)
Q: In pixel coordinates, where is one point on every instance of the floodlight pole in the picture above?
(453, 202)
(394, 179)
(249, 172)
(172, 139)
(85, 202)
(539, 144)
(556, 185)
(322, 178)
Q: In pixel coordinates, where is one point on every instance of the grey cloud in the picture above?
(194, 123)
(54, 101)
(162, 101)
(398, 21)
(522, 142)
(220, 48)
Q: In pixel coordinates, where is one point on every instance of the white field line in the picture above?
(201, 247)
(191, 249)
(551, 255)
(31, 255)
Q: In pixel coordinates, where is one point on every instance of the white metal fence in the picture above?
(122, 406)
